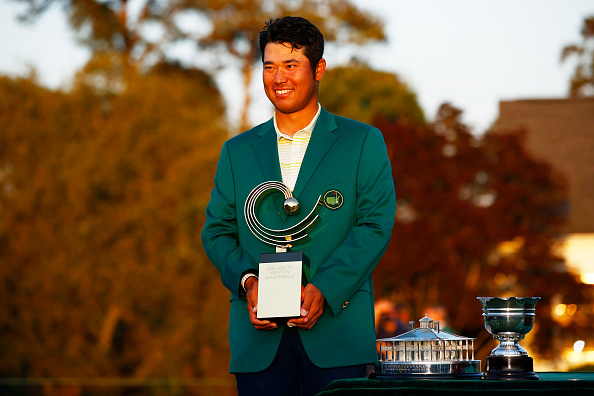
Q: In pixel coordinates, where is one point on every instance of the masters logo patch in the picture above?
(333, 199)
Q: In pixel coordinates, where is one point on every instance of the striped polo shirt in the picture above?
(292, 149)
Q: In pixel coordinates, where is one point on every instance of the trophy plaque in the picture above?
(509, 319)
(280, 274)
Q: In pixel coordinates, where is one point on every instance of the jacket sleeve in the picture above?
(220, 236)
(351, 264)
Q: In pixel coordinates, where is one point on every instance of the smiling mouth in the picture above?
(282, 91)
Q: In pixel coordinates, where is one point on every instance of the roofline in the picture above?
(549, 100)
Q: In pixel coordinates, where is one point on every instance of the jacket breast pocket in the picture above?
(331, 181)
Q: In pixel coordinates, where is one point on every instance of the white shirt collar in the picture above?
(308, 129)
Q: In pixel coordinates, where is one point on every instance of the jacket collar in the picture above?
(266, 151)
(322, 138)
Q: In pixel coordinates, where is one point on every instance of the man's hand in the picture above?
(312, 308)
(251, 285)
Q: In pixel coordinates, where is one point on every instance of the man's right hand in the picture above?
(251, 285)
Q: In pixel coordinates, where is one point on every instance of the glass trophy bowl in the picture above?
(509, 319)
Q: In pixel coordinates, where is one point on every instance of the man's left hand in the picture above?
(312, 308)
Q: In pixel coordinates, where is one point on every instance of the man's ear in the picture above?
(320, 68)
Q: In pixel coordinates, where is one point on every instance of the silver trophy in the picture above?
(509, 319)
(280, 274)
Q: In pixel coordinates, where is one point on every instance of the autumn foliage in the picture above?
(103, 190)
(476, 216)
(102, 198)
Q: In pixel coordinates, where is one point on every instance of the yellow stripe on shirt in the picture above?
(291, 150)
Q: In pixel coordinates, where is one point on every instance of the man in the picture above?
(316, 154)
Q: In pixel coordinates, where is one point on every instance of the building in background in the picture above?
(561, 132)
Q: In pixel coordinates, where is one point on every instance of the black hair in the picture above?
(297, 31)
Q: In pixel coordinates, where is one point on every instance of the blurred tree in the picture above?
(475, 217)
(234, 27)
(101, 204)
(359, 92)
(107, 26)
(143, 32)
(582, 81)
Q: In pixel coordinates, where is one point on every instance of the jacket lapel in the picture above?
(322, 138)
(266, 151)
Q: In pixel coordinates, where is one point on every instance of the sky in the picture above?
(470, 53)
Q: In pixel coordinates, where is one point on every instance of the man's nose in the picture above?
(280, 76)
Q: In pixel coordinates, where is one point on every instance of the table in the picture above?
(550, 383)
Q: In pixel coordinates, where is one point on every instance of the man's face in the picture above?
(289, 81)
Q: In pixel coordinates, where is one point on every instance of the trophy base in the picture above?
(509, 368)
(279, 286)
(456, 369)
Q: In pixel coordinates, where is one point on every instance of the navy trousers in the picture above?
(292, 373)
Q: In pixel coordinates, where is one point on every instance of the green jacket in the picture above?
(343, 155)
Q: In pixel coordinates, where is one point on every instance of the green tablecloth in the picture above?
(551, 383)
